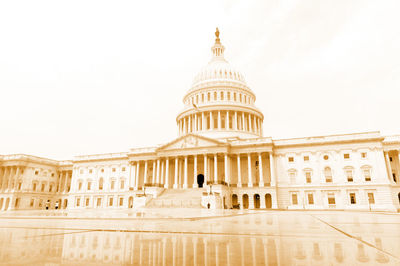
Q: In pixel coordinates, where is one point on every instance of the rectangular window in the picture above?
(310, 199)
(308, 177)
(331, 199)
(390, 158)
(89, 185)
(42, 189)
(78, 202)
(306, 158)
(37, 172)
(19, 185)
(363, 155)
(346, 156)
(291, 159)
(110, 201)
(222, 95)
(90, 171)
(121, 201)
(292, 176)
(229, 96)
(367, 175)
(294, 199)
(98, 202)
(80, 186)
(122, 184)
(123, 169)
(394, 177)
(87, 202)
(215, 122)
(50, 188)
(349, 174)
(32, 203)
(352, 198)
(371, 198)
(34, 187)
(112, 184)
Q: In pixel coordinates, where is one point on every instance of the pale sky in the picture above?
(87, 77)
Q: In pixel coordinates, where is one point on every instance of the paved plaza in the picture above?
(199, 237)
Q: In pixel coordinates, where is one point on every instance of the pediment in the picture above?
(191, 141)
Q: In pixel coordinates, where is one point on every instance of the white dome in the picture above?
(217, 70)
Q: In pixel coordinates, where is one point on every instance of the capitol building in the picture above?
(219, 160)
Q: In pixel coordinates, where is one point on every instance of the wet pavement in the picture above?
(199, 237)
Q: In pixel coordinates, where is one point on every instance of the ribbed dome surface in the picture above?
(218, 69)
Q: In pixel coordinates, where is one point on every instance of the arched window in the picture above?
(101, 181)
(215, 95)
(234, 96)
(222, 95)
(208, 96)
(328, 175)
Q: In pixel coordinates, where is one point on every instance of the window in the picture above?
(326, 157)
(101, 183)
(122, 184)
(50, 188)
(390, 158)
(291, 159)
(19, 185)
(208, 96)
(215, 96)
(292, 176)
(78, 202)
(394, 177)
(113, 169)
(306, 158)
(363, 155)
(80, 185)
(294, 199)
(52, 174)
(32, 203)
(349, 175)
(123, 169)
(98, 202)
(229, 96)
(346, 156)
(110, 201)
(112, 184)
(371, 199)
(328, 175)
(87, 202)
(34, 187)
(89, 185)
(352, 198)
(222, 95)
(43, 186)
(308, 176)
(121, 201)
(367, 174)
(102, 170)
(331, 198)
(37, 172)
(90, 171)
(310, 197)
(81, 171)
(234, 96)
(202, 97)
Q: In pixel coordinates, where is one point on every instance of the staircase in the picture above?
(178, 198)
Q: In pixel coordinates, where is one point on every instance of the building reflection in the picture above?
(40, 246)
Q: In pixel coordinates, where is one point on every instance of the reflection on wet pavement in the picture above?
(263, 238)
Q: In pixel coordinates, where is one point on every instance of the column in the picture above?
(239, 181)
(184, 125)
(176, 173)
(173, 251)
(162, 173)
(260, 168)
(211, 121)
(219, 120)
(59, 181)
(205, 169)
(250, 123)
(272, 167)
(228, 252)
(185, 173)
(215, 168)
(145, 173)
(243, 124)
(216, 253)
(194, 240)
(250, 184)
(184, 250)
(195, 185)
(389, 167)
(158, 172)
(164, 251)
(227, 120)
(153, 181)
(10, 180)
(205, 252)
(203, 121)
(235, 124)
(166, 185)
(189, 123)
(137, 175)
(66, 181)
(226, 169)
(196, 124)
(16, 178)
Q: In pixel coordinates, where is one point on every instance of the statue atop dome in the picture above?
(217, 40)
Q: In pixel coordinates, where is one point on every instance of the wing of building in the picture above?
(219, 160)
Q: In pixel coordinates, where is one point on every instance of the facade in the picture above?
(219, 160)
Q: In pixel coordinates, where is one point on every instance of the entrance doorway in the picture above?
(245, 201)
(256, 201)
(268, 201)
(200, 180)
